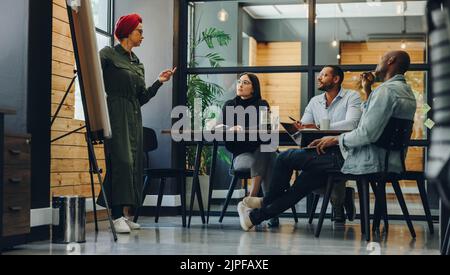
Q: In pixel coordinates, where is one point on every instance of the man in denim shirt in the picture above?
(394, 98)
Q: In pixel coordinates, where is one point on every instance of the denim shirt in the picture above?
(344, 112)
(394, 98)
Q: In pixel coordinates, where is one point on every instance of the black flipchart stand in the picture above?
(92, 137)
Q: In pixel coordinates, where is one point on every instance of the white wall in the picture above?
(13, 62)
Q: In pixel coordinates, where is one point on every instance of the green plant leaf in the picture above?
(208, 92)
(224, 156)
(211, 34)
(214, 59)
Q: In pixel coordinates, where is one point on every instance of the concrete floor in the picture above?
(170, 238)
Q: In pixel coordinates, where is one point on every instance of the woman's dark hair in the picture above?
(255, 83)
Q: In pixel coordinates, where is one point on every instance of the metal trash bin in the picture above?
(69, 219)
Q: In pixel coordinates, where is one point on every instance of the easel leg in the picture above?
(91, 173)
(95, 169)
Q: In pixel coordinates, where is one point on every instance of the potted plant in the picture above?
(209, 93)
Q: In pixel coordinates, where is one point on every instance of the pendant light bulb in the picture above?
(223, 15)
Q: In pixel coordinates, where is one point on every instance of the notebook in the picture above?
(295, 135)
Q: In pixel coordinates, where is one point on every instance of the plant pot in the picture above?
(204, 187)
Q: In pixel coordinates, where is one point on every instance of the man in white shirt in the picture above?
(343, 108)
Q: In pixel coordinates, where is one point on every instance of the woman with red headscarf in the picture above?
(124, 80)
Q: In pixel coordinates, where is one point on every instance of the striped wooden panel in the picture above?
(61, 3)
(75, 139)
(60, 12)
(371, 52)
(69, 158)
(72, 165)
(71, 179)
(81, 190)
(282, 90)
(62, 69)
(57, 96)
(74, 152)
(66, 111)
(60, 83)
(253, 50)
(61, 28)
(62, 41)
(67, 125)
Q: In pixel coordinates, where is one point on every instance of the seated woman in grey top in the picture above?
(247, 154)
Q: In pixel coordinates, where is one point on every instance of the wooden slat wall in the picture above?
(282, 89)
(69, 164)
(370, 53)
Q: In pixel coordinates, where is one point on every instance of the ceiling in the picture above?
(338, 10)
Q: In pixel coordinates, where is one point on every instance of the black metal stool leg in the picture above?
(160, 197)
(200, 202)
(182, 181)
(246, 187)
(361, 206)
(144, 193)
(446, 243)
(195, 182)
(211, 178)
(426, 205)
(229, 195)
(365, 207)
(447, 253)
(401, 201)
(294, 212)
(313, 208)
(385, 214)
(373, 185)
(325, 203)
(386, 218)
(380, 202)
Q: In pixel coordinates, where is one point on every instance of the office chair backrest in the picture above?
(150, 140)
(396, 137)
(396, 134)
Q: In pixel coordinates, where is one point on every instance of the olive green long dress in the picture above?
(126, 93)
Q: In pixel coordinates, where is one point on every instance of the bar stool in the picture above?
(395, 137)
(151, 144)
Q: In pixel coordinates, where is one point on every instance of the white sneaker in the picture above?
(132, 225)
(121, 226)
(252, 202)
(244, 216)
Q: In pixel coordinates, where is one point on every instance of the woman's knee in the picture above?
(243, 161)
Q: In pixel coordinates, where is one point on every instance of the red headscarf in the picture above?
(126, 25)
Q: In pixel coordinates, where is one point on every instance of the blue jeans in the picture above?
(313, 176)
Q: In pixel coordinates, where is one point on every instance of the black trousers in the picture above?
(313, 176)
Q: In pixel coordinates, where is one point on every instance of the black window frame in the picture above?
(109, 31)
(310, 68)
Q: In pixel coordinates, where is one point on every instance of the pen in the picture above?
(293, 119)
